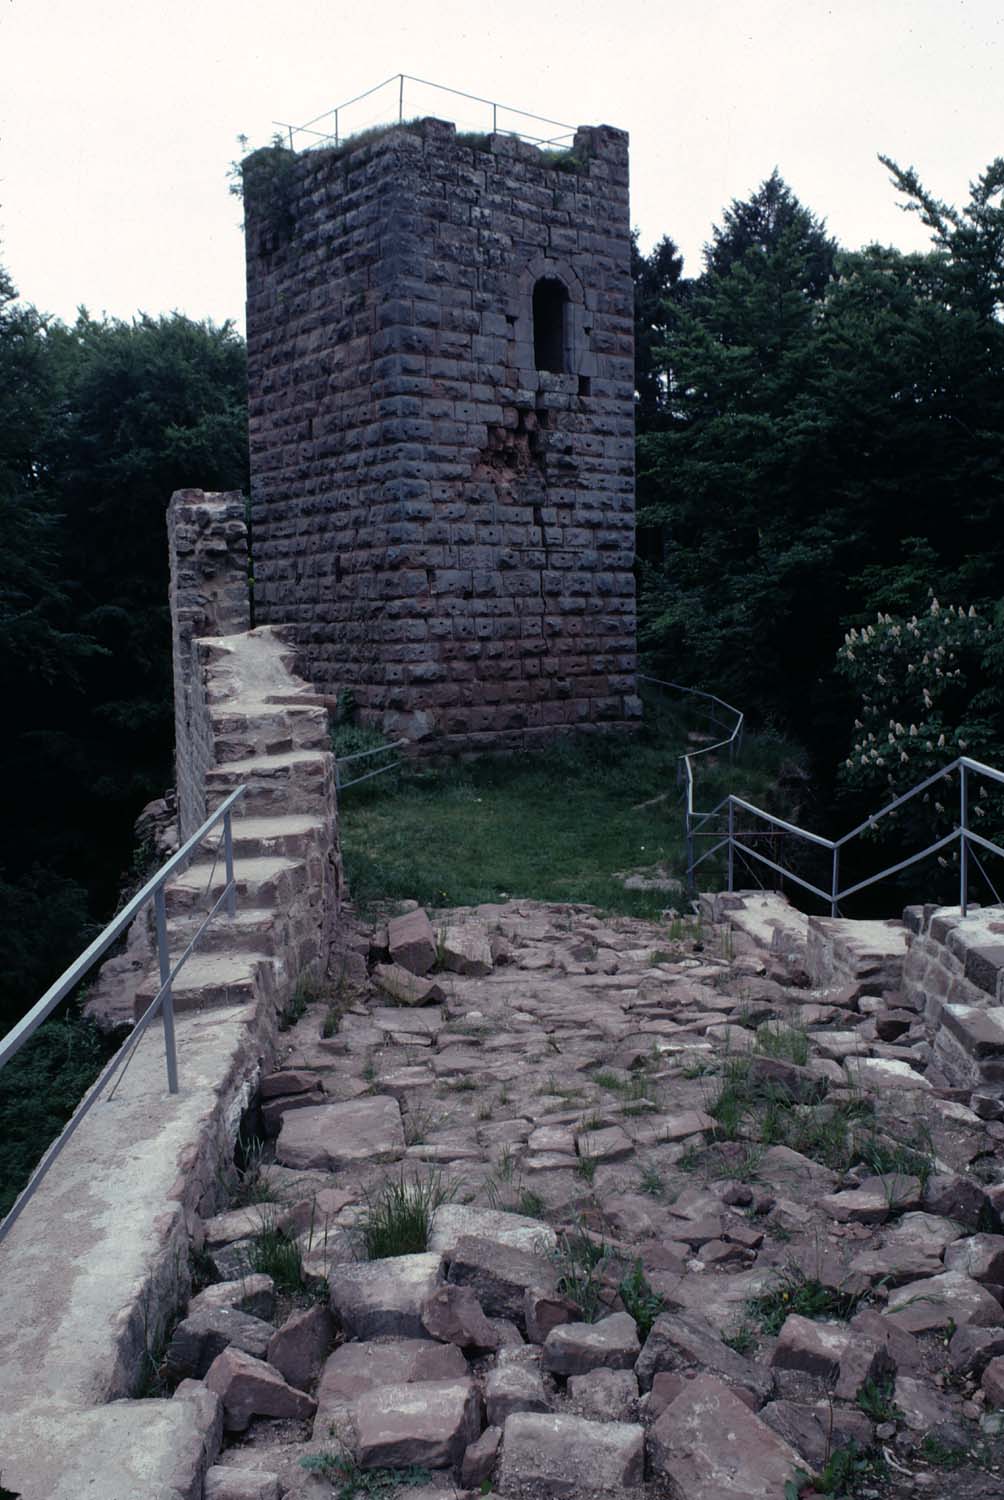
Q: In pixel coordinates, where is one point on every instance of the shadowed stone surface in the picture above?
(570, 1456)
(385, 1296)
(430, 1423)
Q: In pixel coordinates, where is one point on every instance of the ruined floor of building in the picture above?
(700, 1226)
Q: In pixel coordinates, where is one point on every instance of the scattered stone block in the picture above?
(466, 950)
(385, 1297)
(412, 942)
(254, 1294)
(605, 1395)
(499, 1275)
(225, 1483)
(815, 1430)
(576, 1348)
(241, 1223)
(514, 1385)
(787, 1079)
(971, 1348)
(431, 1423)
(201, 1336)
(992, 1381)
(407, 988)
(709, 1445)
(480, 1459)
(814, 1348)
(684, 1342)
(557, 1456)
(543, 1311)
(924, 1306)
(454, 1315)
(299, 1348)
(980, 1256)
(339, 1135)
(875, 1200)
(289, 1081)
(955, 1197)
(250, 1388)
(611, 1144)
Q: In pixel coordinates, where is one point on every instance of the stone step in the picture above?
(268, 731)
(261, 882)
(289, 837)
(295, 781)
(210, 980)
(252, 930)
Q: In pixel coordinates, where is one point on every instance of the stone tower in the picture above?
(440, 348)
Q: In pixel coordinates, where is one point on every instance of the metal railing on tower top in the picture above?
(402, 96)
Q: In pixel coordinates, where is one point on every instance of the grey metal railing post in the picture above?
(495, 118)
(963, 841)
(732, 830)
(228, 854)
(167, 1007)
(400, 99)
(835, 881)
(336, 127)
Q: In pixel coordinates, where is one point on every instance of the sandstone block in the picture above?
(452, 1221)
(604, 1395)
(576, 1348)
(407, 988)
(385, 1297)
(480, 1459)
(499, 1275)
(200, 1337)
(240, 1484)
(557, 1456)
(412, 942)
(299, 1348)
(980, 1256)
(922, 1306)
(814, 1348)
(454, 1315)
(254, 1294)
(514, 1385)
(339, 1135)
(431, 1423)
(709, 1445)
(682, 1342)
(466, 950)
(993, 1381)
(250, 1388)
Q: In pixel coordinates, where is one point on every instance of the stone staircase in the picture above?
(284, 837)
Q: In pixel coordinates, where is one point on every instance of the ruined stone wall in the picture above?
(954, 976)
(208, 550)
(448, 528)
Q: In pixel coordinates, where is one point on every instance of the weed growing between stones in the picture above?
(640, 1300)
(531, 1204)
(742, 1339)
(585, 1168)
(251, 1185)
(274, 1253)
(942, 1455)
(580, 1262)
(397, 1220)
(797, 1293)
(651, 1182)
(306, 990)
(875, 1399)
(790, 1043)
(844, 1470)
(350, 1482)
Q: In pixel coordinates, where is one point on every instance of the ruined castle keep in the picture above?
(440, 347)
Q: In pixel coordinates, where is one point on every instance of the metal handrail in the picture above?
(334, 137)
(162, 1002)
(693, 819)
(341, 760)
(963, 834)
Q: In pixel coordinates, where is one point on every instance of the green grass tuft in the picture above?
(397, 1220)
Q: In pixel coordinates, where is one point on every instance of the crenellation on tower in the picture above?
(440, 344)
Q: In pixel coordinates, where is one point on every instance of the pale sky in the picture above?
(119, 118)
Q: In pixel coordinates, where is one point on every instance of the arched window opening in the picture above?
(550, 301)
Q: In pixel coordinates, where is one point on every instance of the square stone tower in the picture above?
(440, 350)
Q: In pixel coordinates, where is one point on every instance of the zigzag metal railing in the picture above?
(162, 1003)
(397, 81)
(736, 841)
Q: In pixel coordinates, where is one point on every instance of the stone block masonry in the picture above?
(440, 347)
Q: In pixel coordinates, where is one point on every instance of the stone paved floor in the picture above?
(820, 1249)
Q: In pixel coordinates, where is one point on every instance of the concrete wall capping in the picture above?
(406, 445)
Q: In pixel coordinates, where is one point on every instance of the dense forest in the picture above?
(821, 525)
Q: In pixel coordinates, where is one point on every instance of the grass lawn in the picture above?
(554, 825)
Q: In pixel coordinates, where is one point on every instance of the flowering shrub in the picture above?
(928, 692)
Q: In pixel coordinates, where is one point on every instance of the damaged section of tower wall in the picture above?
(440, 341)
